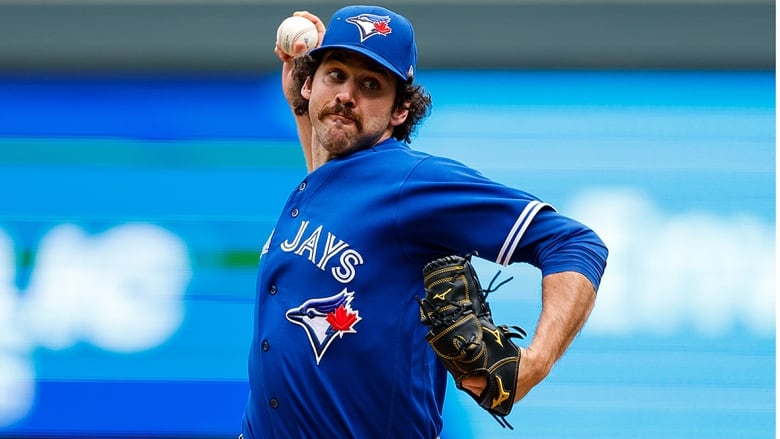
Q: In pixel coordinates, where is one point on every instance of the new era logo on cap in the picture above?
(378, 33)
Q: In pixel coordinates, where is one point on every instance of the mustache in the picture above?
(340, 110)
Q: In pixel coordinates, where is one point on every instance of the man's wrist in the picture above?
(538, 365)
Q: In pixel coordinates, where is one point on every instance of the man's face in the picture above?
(351, 102)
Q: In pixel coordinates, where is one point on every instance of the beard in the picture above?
(339, 138)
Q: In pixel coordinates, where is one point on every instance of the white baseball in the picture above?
(294, 29)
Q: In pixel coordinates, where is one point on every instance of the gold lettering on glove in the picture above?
(495, 334)
(442, 295)
(503, 395)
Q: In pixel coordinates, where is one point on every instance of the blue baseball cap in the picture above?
(376, 32)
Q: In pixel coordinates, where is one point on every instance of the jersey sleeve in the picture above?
(447, 207)
(556, 243)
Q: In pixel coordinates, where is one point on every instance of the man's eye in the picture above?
(336, 74)
(371, 84)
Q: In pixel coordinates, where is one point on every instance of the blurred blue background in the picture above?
(133, 207)
(674, 170)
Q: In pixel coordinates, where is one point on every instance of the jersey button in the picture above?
(302, 186)
(273, 403)
(294, 213)
(273, 290)
(266, 346)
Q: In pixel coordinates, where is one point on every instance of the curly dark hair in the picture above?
(411, 96)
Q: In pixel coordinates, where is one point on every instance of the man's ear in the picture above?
(399, 115)
(306, 88)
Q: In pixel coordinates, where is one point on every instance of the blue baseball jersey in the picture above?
(338, 350)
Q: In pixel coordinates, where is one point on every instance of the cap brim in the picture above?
(379, 59)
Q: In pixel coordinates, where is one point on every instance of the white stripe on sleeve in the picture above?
(518, 229)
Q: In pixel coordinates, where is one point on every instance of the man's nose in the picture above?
(346, 94)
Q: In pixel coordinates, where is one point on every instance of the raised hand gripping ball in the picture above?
(294, 29)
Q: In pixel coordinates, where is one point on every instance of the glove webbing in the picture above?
(458, 309)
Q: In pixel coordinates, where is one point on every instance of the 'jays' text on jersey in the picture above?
(338, 348)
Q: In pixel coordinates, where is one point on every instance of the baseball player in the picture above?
(339, 349)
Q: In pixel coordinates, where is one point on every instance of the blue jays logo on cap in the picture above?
(376, 32)
(370, 25)
(324, 319)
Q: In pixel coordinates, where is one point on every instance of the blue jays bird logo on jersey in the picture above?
(370, 25)
(324, 319)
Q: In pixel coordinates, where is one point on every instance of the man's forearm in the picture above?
(302, 123)
(567, 300)
(304, 135)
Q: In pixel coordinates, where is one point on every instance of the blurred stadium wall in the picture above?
(236, 35)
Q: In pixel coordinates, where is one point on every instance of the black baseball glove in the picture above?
(463, 335)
